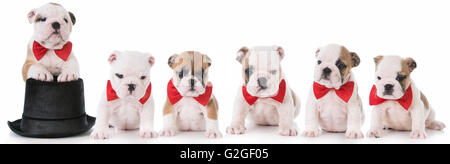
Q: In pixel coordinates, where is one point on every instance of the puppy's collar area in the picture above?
(404, 101)
(345, 92)
(112, 95)
(39, 51)
(174, 95)
(279, 97)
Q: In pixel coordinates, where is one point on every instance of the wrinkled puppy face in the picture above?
(392, 76)
(261, 69)
(190, 72)
(52, 24)
(334, 63)
(130, 73)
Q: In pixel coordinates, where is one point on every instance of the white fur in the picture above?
(331, 113)
(51, 65)
(265, 111)
(391, 114)
(127, 113)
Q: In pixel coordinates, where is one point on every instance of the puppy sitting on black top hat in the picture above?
(49, 50)
(54, 96)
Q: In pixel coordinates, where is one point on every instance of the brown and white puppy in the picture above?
(398, 102)
(264, 95)
(334, 104)
(52, 28)
(190, 104)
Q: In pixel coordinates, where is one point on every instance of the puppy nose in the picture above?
(56, 25)
(131, 87)
(262, 82)
(326, 71)
(388, 87)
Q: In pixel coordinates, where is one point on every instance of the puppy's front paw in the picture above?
(101, 134)
(40, 74)
(418, 134)
(354, 134)
(147, 133)
(168, 132)
(311, 133)
(213, 133)
(239, 129)
(288, 131)
(67, 76)
(375, 133)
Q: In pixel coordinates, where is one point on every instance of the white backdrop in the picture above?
(418, 29)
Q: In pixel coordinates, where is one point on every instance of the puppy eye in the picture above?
(319, 62)
(119, 75)
(379, 78)
(273, 72)
(41, 19)
(65, 20)
(400, 78)
(180, 74)
(340, 65)
(143, 77)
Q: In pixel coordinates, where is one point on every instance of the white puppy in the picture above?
(334, 103)
(265, 93)
(127, 103)
(49, 50)
(190, 105)
(398, 102)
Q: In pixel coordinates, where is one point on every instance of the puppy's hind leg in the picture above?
(431, 123)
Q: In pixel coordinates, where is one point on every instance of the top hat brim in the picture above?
(15, 126)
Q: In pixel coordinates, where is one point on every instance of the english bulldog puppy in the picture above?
(398, 102)
(190, 104)
(127, 102)
(49, 49)
(265, 95)
(334, 104)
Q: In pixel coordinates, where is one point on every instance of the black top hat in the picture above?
(53, 110)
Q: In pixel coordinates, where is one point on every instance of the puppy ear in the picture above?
(355, 59)
(31, 16)
(317, 52)
(151, 60)
(411, 63)
(377, 59)
(207, 62)
(280, 51)
(241, 54)
(72, 18)
(172, 61)
(113, 57)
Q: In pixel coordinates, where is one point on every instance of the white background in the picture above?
(410, 28)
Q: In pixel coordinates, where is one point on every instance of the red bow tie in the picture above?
(39, 51)
(344, 92)
(112, 95)
(175, 96)
(404, 101)
(279, 97)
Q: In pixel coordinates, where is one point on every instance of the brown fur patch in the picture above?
(294, 97)
(245, 65)
(347, 60)
(168, 108)
(56, 4)
(29, 61)
(424, 100)
(377, 60)
(212, 108)
(37, 17)
(196, 61)
(406, 71)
